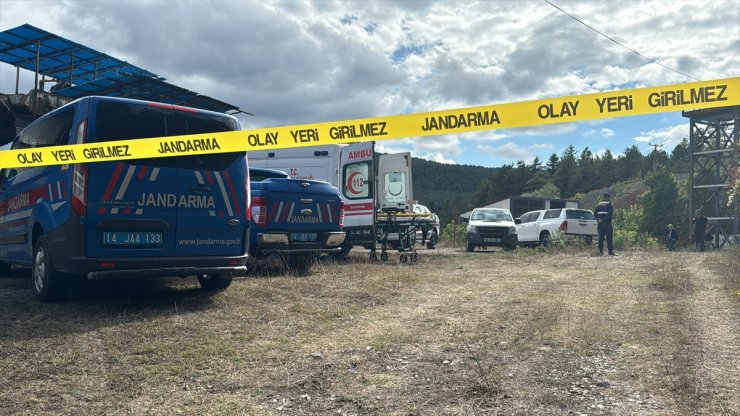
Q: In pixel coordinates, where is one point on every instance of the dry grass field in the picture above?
(560, 332)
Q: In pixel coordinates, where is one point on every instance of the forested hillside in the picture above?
(444, 187)
(571, 175)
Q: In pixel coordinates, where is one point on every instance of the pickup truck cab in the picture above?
(489, 227)
(295, 218)
(543, 226)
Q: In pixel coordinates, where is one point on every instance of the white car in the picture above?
(544, 226)
(432, 233)
(491, 227)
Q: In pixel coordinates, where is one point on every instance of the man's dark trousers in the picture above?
(605, 230)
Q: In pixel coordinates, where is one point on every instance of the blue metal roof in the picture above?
(81, 71)
(60, 58)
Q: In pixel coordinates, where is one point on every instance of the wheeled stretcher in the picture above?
(397, 231)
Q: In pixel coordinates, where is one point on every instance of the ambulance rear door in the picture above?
(394, 182)
(358, 192)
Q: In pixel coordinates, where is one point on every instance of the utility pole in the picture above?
(655, 146)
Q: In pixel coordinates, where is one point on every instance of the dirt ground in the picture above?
(531, 332)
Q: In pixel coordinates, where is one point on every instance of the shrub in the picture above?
(448, 237)
(627, 231)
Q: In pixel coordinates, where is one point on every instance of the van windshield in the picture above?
(116, 120)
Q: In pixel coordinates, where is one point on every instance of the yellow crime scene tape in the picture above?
(640, 101)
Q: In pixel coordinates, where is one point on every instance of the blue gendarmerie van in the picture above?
(176, 216)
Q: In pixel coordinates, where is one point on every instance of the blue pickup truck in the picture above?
(295, 219)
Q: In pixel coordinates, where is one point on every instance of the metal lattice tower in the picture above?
(714, 146)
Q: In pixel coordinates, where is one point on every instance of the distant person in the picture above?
(672, 238)
(604, 213)
(699, 230)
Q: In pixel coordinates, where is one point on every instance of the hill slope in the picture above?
(443, 187)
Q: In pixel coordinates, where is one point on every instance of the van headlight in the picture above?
(512, 230)
(471, 228)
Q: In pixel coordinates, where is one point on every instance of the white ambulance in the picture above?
(368, 184)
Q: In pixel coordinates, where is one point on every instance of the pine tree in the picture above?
(552, 164)
(660, 203)
(680, 157)
(630, 164)
(565, 175)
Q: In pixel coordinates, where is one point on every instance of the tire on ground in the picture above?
(215, 282)
(432, 243)
(301, 263)
(545, 239)
(47, 283)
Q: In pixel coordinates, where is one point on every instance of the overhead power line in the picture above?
(619, 43)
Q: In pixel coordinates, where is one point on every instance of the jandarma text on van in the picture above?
(184, 146)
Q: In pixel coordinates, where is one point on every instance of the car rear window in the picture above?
(124, 121)
(579, 214)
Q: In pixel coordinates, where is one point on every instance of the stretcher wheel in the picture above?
(373, 257)
(384, 256)
(403, 258)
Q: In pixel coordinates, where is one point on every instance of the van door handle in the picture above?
(200, 189)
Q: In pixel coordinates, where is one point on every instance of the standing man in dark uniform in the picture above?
(699, 229)
(604, 212)
(672, 238)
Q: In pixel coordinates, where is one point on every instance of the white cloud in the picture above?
(305, 62)
(512, 152)
(599, 133)
(540, 147)
(668, 136)
(439, 158)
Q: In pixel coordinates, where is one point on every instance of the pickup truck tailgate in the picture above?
(581, 222)
(301, 207)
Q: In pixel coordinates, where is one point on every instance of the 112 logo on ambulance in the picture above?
(356, 181)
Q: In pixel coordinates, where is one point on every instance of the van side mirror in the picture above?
(465, 220)
(517, 220)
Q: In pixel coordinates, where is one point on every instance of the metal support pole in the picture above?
(717, 178)
(71, 68)
(692, 129)
(17, 78)
(36, 78)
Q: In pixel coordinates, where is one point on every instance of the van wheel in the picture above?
(432, 243)
(469, 248)
(301, 263)
(346, 248)
(4, 269)
(46, 280)
(214, 282)
(545, 239)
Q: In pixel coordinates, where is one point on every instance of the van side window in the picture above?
(51, 130)
(552, 213)
(124, 121)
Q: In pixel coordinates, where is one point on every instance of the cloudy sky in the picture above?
(293, 62)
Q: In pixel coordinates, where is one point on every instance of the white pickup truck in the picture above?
(543, 226)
